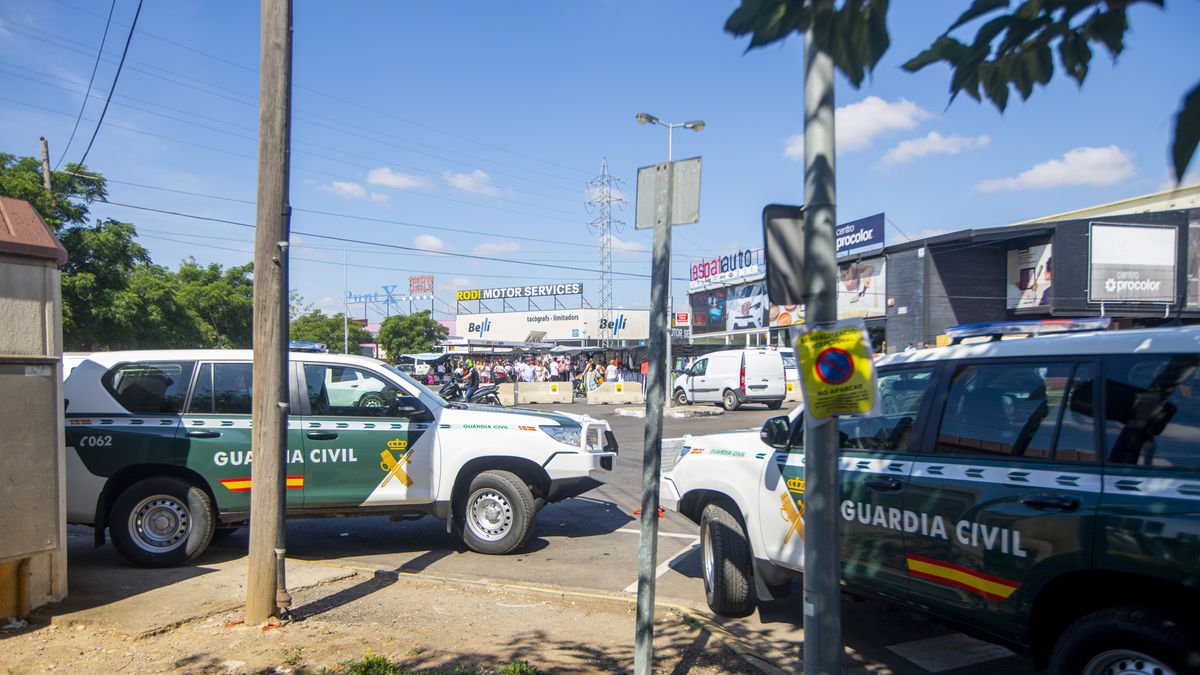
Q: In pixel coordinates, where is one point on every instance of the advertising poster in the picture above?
(1029, 277)
(782, 316)
(708, 311)
(746, 306)
(1131, 263)
(861, 289)
(1193, 258)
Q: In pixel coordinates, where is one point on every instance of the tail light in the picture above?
(742, 379)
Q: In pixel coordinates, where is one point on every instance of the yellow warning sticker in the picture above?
(836, 370)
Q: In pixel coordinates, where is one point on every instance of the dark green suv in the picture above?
(1043, 493)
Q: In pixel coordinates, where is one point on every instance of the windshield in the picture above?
(426, 391)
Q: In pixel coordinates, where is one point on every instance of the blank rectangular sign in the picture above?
(783, 233)
(685, 193)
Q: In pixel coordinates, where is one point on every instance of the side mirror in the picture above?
(777, 432)
(410, 407)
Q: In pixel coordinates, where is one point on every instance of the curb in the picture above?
(673, 412)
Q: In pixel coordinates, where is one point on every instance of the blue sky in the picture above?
(474, 128)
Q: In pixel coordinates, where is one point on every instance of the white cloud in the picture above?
(1096, 167)
(856, 125)
(476, 181)
(500, 247)
(628, 246)
(459, 282)
(344, 189)
(380, 197)
(394, 179)
(429, 243)
(933, 144)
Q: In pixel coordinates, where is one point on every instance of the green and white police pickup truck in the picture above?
(159, 451)
(1043, 493)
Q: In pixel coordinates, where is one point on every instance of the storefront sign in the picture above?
(726, 268)
(560, 324)
(420, 283)
(857, 237)
(1131, 263)
(519, 292)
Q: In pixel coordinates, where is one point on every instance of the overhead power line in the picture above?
(116, 76)
(87, 94)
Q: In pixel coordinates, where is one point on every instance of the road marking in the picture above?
(662, 569)
(949, 652)
(672, 535)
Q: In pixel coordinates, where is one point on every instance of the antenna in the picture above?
(603, 192)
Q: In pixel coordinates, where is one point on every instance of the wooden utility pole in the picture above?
(45, 164)
(270, 402)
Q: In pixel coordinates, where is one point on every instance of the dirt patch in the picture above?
(421, 625)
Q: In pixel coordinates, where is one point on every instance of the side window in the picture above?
(699, 368)
(223, 389)
(1152, 413)
(900, 396)
(1008, 410)
(158, 387)
(339, 390)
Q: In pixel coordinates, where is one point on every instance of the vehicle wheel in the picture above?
(492, 399)
(725, 559)
(774, 405)
(1126, 640)
(729, 400)
(680, 397)
(372, 400)
(496, 516)
(162, 521)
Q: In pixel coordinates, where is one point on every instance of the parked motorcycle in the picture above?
(486, 394)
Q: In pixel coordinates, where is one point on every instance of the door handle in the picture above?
(322, 435)
(196, 433)
(1051, 502)
(884, 484)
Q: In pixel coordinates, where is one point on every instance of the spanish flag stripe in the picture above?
(954, 575)
(243, 484)
(967, 570)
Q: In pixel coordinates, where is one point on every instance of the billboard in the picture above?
(1029, 277)
(726, 268)
(1131, 263)
(782, 316)
(746, 306)
(862, 289)
(708, 311)
(559, 324)
(857, 237)
(420, 284)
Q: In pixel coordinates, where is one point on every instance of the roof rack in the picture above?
(306, 346)
(996, 330)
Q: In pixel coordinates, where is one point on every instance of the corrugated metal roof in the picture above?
(24, 233)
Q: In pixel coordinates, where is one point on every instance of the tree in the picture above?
(315, 326)
(101, 263)
(21, 177)
(411, 334)
(1012, 50)
(223, 302)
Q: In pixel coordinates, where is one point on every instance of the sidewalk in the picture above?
(188, 619)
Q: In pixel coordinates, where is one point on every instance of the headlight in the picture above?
(566, 435)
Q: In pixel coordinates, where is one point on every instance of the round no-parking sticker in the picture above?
(836, 369)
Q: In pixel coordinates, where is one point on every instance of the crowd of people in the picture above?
(590, 370)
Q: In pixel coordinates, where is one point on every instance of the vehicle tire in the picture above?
(729, 400)
(372, 400)
(162, 521)
(1125, 640)
(725, 561)
(496, 514)
(681, 397)
(492, 399)
(774, 405)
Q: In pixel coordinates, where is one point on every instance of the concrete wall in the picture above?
(33, 560)
(545, 392)
(617, 392)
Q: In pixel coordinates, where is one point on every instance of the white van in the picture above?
(733, 377)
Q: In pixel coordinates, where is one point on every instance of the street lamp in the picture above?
(697, 126)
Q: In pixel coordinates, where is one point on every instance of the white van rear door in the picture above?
(764, 375)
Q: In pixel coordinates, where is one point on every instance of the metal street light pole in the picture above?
(697, 126)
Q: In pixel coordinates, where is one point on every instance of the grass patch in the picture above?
(374, 664)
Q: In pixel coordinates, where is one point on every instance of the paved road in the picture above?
(590, 543)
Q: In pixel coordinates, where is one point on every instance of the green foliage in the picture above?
(410, 334)
(316, 326)
(1012, 50)
(374, 664)
(222, 300)
(853, 34)
(21, 177)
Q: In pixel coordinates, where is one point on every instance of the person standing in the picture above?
(610, 372)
